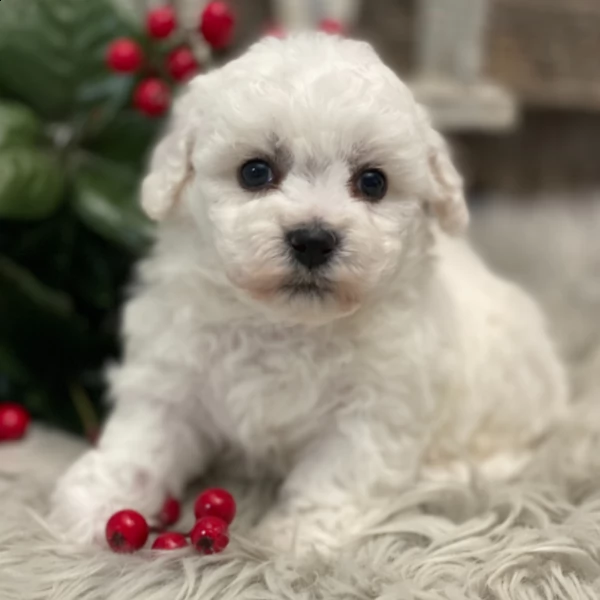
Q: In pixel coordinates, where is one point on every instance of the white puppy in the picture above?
(306, 308)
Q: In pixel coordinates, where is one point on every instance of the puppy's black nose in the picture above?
(312, 246)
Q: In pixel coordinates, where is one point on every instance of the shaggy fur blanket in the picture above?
(535, 538)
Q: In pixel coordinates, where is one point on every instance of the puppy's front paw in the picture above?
(95, 487)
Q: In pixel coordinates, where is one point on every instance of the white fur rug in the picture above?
(536, 538)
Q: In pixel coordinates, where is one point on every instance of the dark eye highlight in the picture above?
(256, 174)
(371, 184)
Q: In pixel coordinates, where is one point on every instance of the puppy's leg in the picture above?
(152, 444)
(323, 502)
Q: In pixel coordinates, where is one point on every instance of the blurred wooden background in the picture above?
(545, 52)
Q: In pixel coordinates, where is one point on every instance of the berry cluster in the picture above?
(14, 421)
(167, 54)
(128, 531)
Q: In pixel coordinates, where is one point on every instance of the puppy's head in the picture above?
(310, 174)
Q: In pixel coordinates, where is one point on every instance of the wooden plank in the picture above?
(551, 150)
(453, 106)
(547, 52)
(450, 39)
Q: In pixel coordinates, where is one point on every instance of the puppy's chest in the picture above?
(269, 388)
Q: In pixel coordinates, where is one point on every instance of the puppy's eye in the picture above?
(371, 184)
(256, 174)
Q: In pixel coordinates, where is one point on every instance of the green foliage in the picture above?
(53, 51)
(31, 183)
(71, 155)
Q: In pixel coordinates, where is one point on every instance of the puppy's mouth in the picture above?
(315, 287)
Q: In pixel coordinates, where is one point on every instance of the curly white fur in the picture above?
(414, 359)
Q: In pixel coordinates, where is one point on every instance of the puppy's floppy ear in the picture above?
(446, 194)
(170, 166)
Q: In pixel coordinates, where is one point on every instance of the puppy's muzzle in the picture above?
(312, 247)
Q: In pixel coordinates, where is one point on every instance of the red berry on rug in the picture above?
(216, 24)
(124, 56)
(331, 26)
(170, 541)
(152, 97)
(14, 421)
(210, 535)
(215, 502)
(182, 64)
(170, 512)
(161, 22)
(126, 531)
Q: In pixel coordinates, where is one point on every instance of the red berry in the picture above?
(124, 56)
(210, 535)
(331, 26)
(275, 31)
(14, 420)
(126, 531)
(216, 24)
(161, 22)
(170, 511)
(152, 97)
(182, 64)
(169, 541)
(215, 503)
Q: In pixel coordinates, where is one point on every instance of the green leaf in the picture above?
(31, 183)
(18, 125)
(127, 139)
(46, 247)
(44, 342)
(102, 101)
(41, 324)
(37, 322)
(50, 49)
(22, 282)
(106, 201)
